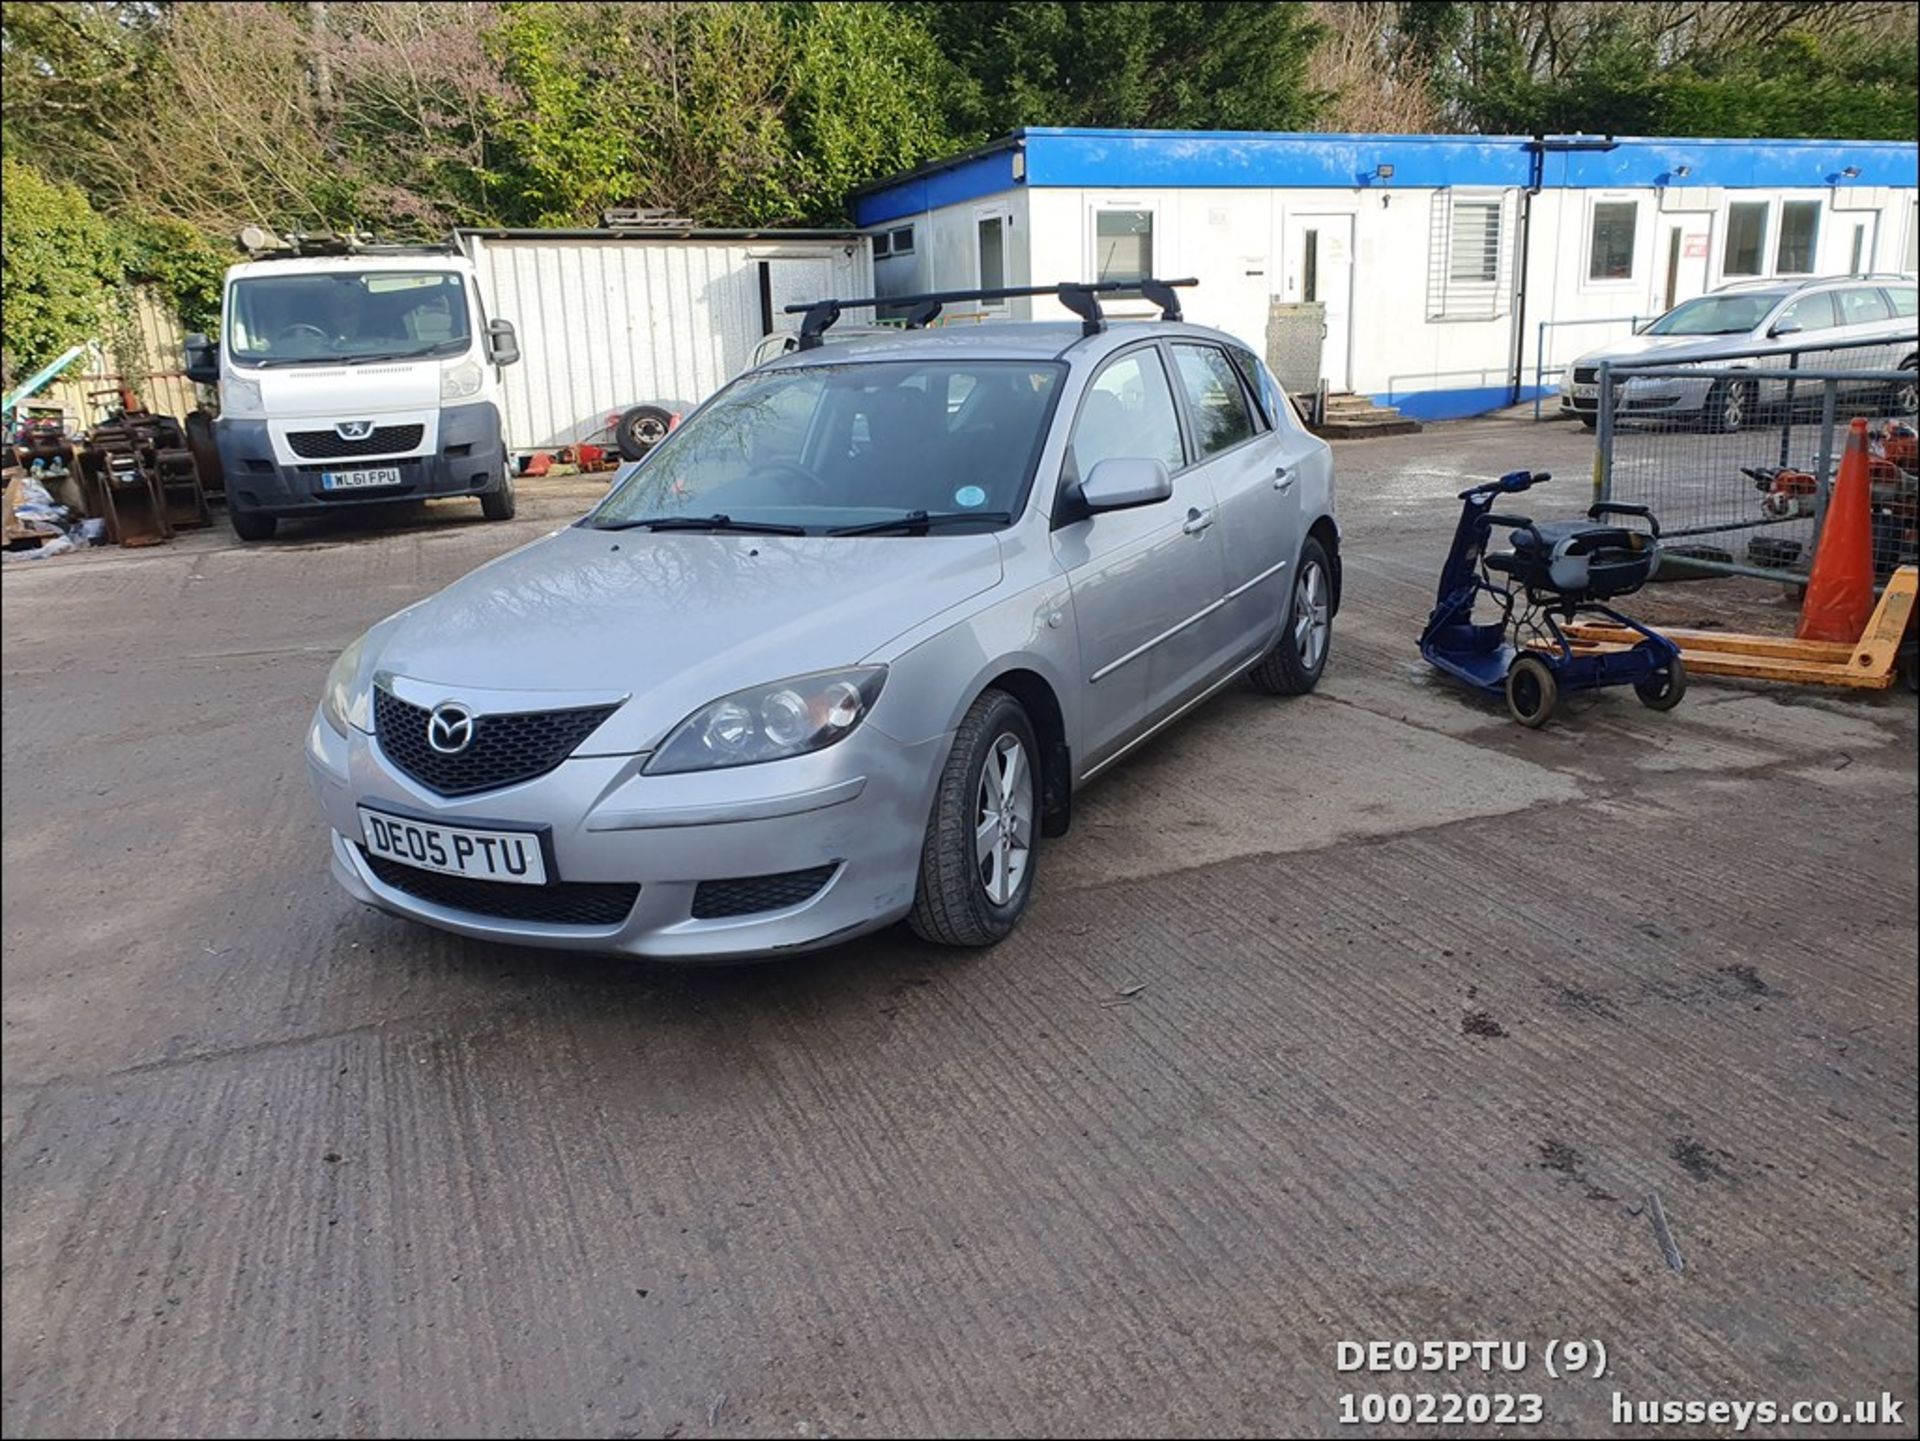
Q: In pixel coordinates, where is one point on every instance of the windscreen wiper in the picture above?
(439, 346)
(923, 520)
(702, 522)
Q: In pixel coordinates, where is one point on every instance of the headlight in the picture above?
(343, 705)
(771, 722)
(459, 381)
(239, 398)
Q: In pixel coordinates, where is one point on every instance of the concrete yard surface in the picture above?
(1363, 1017)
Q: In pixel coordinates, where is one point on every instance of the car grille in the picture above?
(505, 749)
(1585, 374)
(747, 894)
(327, 444)
(562, 903)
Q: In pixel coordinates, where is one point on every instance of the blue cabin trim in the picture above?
(1201, 159)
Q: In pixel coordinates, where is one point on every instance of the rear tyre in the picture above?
(251, 525)
(500, 504)
(977, 862)
(1298, 657)
(640, 430)
(1532, 692)
(1663, 689)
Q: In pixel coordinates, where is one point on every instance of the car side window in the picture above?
(1863, 306)
(1128, 412)
(1906, 300)
(1215, 400)
(1249, 368)
(1809, 312)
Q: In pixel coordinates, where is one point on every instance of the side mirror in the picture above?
(202, 359)
(1786, 327)
(1124, 482)
(503, 346)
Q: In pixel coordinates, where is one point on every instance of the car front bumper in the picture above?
(1652, 395)
(859, 807)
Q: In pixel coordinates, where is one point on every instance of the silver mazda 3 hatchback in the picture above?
(840, 650)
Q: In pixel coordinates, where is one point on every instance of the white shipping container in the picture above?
(610, 319)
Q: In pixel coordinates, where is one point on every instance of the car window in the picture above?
(1809, 312)
(1249, 368)
(829, 445)
(1216, 401)
(1128, 412)
(1715, 315)
(1862, 306)
(1905, 299)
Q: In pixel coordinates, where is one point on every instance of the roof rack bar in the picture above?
(1081, 297)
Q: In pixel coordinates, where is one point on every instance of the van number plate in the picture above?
(359, 479)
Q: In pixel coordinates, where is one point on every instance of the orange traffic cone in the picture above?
(1840, 590)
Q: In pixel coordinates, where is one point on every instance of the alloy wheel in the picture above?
(1003, 821)
(1312, 615)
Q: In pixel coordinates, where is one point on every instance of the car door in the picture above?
(1253, 464)
(1803, 322)
(1144, 581)
(1865, 314)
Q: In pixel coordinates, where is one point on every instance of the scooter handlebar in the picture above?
(1508, 484)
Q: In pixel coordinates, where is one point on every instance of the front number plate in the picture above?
(455, 850)
(359, 479)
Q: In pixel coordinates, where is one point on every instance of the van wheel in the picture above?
(499, 505)
(1294, 664)
(251, 525)
(977, 863)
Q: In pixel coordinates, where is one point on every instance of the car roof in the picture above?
(1784, 287)
(996, 340)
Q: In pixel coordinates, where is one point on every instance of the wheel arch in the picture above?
(1036, 696)
(1327, 532)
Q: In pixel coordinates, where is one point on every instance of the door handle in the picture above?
(1197, 521)
(1282, 478)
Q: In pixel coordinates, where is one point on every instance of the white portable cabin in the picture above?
(612, 318)
(1435, 259)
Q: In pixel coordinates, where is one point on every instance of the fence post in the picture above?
(1603, 431)
(1539, 368)
(1786, 419)
(1823, 468)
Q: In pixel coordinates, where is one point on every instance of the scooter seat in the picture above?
(1580, 559)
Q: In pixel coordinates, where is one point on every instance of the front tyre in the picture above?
(1294, 664)
(500, 504)
(977, 863)
(250, 524)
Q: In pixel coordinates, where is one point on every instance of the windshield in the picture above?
(827, 446)
(347, 315)
(1715, 315)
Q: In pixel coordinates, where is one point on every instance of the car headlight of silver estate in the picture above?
(344, 704)
(771, 722)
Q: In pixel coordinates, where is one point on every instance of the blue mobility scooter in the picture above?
(1555, 570)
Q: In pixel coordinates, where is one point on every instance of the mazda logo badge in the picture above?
(354, 429)
(450, 728)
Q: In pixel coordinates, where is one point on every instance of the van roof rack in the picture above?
(258, 243)
(1082, 297)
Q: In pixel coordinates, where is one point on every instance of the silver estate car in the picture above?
(1739, 326)
(840, 650)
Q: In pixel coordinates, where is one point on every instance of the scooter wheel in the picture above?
(1663, 689)
(1532, 692)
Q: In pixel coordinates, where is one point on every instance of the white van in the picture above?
(368, 374)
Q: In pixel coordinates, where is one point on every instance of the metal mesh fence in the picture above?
(1737, 457)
